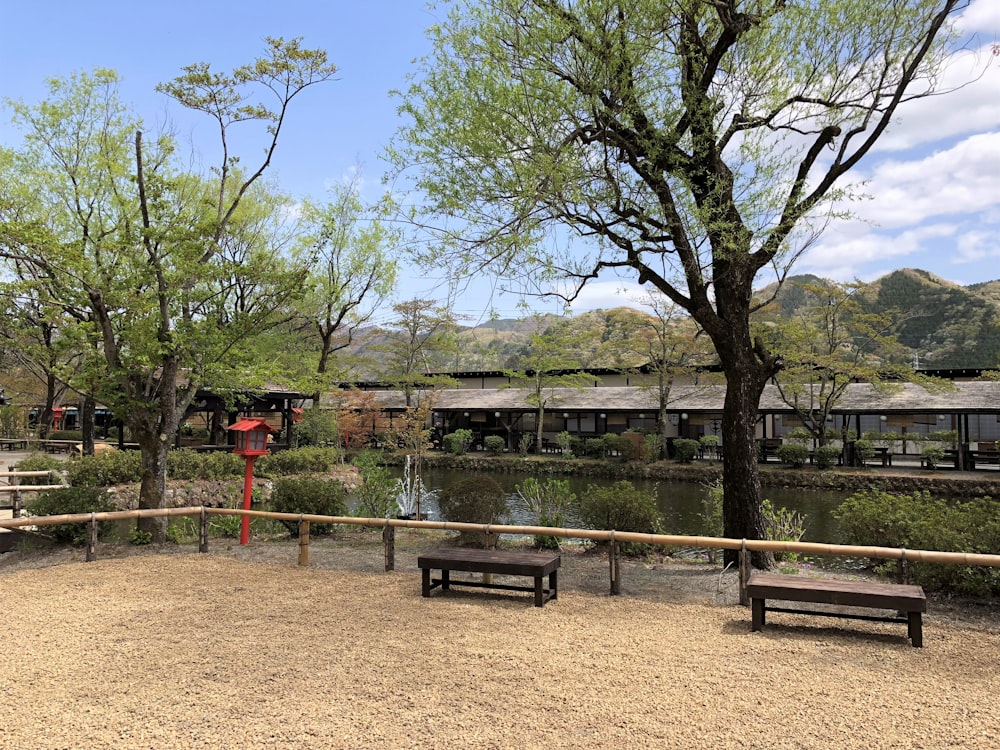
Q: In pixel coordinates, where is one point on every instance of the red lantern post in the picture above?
(251, 441)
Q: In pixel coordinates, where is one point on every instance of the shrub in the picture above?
(189, 464)
(311, 459)
(594, 447)
(115, 467)
(685, 449)
(70, 500)
(40, 462)
(311, 495)
(652, 447)
(827, 456)
(799, 435)
(565, 442)
(524, 444)
(621, 507)
(864, 450)
(794, 454)
(318, 427)
(458, 442)
(932, 454)
(876, 517)
(378, 489)
(549, 501)
(494, 444)
(710, 518)
(475, 500)
(782, 525)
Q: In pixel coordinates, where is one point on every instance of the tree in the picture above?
(695, 144)
(352, 273)
(419, 339)
(670, 346)
(547, 364)
(135, 241)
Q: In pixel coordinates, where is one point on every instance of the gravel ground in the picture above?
(241, 648)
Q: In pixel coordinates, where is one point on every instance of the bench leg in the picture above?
(915, 629)
(553, 584)
(445, 579)
(539, 592)
(757, 617)
(425, 581)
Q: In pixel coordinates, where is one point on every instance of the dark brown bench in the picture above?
(535, 565)
(903, 599)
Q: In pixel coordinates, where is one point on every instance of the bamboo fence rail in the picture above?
(615, 538)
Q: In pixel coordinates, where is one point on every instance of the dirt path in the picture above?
(241, 648)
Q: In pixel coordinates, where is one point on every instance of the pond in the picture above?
(680, 502)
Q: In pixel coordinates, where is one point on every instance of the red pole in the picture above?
(247, 492)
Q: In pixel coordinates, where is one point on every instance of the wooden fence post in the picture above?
(744, 573)
(303, 543)
(614, 561)
(203, 532)
(389, 540)
(16, 502)
(92, 538)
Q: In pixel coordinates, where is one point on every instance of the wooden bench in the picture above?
(903, 599)
(535, 565)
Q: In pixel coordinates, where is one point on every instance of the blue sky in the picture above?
(934, 181)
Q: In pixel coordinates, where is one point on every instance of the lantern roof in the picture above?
(248, 425)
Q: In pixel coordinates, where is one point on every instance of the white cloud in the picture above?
(604, 295)
(977, 245)
(982, 16)
(960, 180)
(845, 250)
(971, 80)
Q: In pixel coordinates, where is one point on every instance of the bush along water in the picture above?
(312, 495)
(549, 501)
(69, 500)
(919, 521)
(622, 507)
(475, 500)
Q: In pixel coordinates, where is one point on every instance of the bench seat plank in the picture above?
(534, 565)
(901, 598)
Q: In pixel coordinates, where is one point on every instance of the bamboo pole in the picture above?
(31, 487)
(303, 543)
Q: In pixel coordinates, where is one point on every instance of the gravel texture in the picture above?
(241, 648)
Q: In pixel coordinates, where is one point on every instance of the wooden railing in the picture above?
(13, 488)
(389, 525)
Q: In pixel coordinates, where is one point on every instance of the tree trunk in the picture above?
(741, 505)
(154, 447)
(87, 411)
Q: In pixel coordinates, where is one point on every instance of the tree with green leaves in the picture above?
(696, 145)
(546, 365)
(419, 340)
(830, 342)
(132, 242)
(349, 249)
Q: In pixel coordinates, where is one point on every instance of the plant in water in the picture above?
(548, 501)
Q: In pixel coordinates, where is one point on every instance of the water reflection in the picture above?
(681, 502)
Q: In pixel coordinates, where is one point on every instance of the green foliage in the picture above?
(190, 464)
(311, 459)
(685, 449)
(378, 488)
(477, 499)
(565, 442)
(524, 444)
(827, 456)
(549, 501)
(458, 442)
(311, 495)
(710, 518)
(799, 435)
(40, 462)
(864, 450)
(105, 470)
(70, 500)
(652, 446)
(494, 444)
(793, 454)
(318, 427)
(13, 421)
(594, 447)
(138, 537)
(622, 507)
(932, 454)
(783, 525)
(918, 521)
